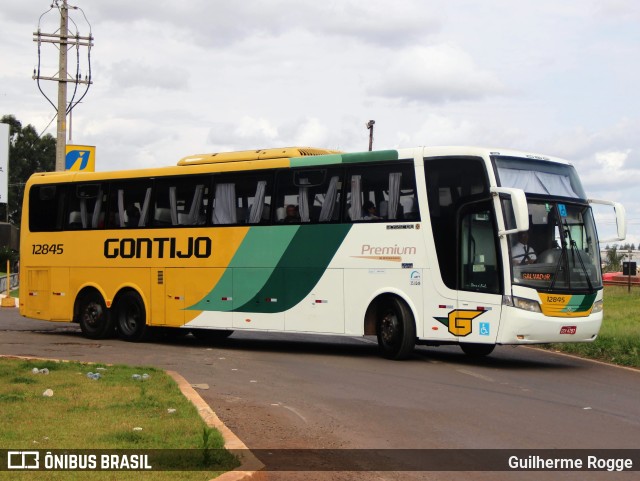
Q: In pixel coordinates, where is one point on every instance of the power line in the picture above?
(64, 42)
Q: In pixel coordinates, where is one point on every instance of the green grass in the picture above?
(100, 414)
(619, 338)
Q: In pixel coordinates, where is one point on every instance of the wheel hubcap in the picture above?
(93, 314)
(130, 320)
(389, 328)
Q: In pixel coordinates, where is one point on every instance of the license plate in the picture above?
(568, 329)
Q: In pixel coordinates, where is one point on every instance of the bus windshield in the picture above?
(560, 249)
(539, 177)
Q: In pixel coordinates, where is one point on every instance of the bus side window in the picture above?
(47, 207)
(382, 193)
(129, 204)
(180, 201)
(242, 199)
(308, 196)
(87, 206)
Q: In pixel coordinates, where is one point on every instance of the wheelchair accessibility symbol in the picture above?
(485, 329)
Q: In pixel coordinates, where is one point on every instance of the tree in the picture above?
(613, 260)
(28, 153)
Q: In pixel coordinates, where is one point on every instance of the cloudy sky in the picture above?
(559, 77)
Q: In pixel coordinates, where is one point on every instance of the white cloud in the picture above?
(612, 160)
(312, 132)
(127, 74)
(179, 78)
(618, 10)
(223, 24)
(256, 132)
(436, 74)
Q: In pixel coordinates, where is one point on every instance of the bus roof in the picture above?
(284, 157)
(248, 155)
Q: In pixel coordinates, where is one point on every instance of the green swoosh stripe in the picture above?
(580, 303)
(319, 160)
(262, 249)
(275, 268)
(300, 268)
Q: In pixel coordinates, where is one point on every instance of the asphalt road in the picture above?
(288, 391)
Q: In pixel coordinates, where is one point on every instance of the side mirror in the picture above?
(621, 218)
(519, 206)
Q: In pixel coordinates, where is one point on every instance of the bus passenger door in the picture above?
(477, 316)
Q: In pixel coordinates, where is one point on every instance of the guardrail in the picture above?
(14, 282)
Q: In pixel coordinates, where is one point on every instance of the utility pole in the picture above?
(65, 42)
(370, 125)
(61, 142)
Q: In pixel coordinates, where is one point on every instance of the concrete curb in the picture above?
(249, 470)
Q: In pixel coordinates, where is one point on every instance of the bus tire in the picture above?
(477, 350)
(130, 317)
(395, 328)
(94, 318)
(211, 335)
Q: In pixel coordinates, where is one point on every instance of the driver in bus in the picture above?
(522, 252)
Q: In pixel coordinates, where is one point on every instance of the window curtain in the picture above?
(97, 210)
(121, 207)
(255, 215)
(192, 219)
(394, 194)
(535, 182)
(145, 208)
(329, 204)
(355, 211)
(173, 204)
(224, 211)
(303, 200)
(83, 213)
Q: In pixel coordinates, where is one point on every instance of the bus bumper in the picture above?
(523, 327)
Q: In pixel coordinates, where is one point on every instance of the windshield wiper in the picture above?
(564, 257)
(576, 253)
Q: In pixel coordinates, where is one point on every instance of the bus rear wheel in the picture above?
(396, 329)
(131, 318)
(477, 350)
(93, 316)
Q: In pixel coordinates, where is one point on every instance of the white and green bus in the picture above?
(433, 245)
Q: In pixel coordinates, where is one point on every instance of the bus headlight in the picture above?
(597, 306)
(521, 303)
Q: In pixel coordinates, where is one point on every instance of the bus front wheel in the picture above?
(396, 329)
(477, 350)
(130, 317)
(94, 317)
